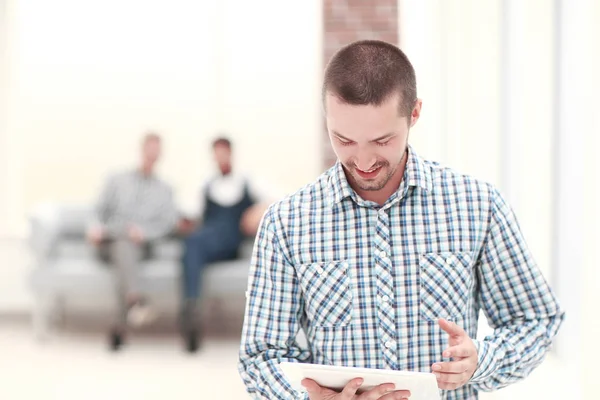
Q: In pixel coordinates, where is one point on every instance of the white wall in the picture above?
(271, 66)
(87, 78)
(579, 124)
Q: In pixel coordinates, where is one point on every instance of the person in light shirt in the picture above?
(229, 210)
(134, 210)
(387, 259)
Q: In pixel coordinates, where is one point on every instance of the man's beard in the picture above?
(385, 174)
(225, 169)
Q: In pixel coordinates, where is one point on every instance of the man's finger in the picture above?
(451, 379)
(451, 328)
(449, 386)
(351, 388)
(313, 389)
(396, 395)
(453, 367)
(377, 392)
(459, 351)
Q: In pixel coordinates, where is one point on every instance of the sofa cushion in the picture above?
(89, 275)
(246, 248)
(74, 221)
(81, 249)
(72, 276)
(93, 276)
(226, 277)
(168, 249)
(71, 248)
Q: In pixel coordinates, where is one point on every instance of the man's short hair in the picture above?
(221, 141)
(368, 72)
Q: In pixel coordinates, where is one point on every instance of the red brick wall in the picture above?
(346, 21)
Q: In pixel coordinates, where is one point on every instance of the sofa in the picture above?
(66, 265)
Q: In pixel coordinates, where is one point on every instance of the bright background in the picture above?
(509, 91)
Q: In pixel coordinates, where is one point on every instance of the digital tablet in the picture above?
(422, 385)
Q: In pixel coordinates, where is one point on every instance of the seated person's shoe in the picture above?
(192, 341)
(189, 327)
(116, 340)
(140, 314)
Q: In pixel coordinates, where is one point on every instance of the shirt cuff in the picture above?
(486, 364)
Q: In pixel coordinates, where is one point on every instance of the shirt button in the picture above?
(389, 344)
(449, 261)
(385, 299)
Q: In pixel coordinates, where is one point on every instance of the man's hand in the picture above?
(185, 226)
(452, 375)
(250, 221)
(381, 392)
(135, 234)
(95, 235)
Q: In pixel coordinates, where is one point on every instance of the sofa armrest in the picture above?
(44, 232)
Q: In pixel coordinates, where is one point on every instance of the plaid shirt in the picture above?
(367, 283)
(132, 198)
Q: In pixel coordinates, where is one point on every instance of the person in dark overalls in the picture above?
(223, 201)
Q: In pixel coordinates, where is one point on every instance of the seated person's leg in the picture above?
(204, 246)
(192, 257)
(127, 257)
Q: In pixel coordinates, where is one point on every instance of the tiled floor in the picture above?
(76, 365)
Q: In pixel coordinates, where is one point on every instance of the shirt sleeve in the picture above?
(517, 301)
(201, 204)
(194, 206)
(104, 204)
(273, 310)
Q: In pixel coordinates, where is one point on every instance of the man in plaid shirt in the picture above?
(387, 259)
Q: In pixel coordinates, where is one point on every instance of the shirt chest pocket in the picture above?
(446, 281)
(327, 293)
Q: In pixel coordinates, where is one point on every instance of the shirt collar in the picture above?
(140, 174)
(416, 174)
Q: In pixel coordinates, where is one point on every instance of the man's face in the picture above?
(370, 141)
(223, 158)
(151, 152)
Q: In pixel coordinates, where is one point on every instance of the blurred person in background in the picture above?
(387, 259)
(230, 207)
(134, 209)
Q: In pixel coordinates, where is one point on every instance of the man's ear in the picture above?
(416, 112)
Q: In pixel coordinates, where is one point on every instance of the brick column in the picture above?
(346, 21)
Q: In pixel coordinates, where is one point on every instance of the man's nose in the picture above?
(365, 160)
